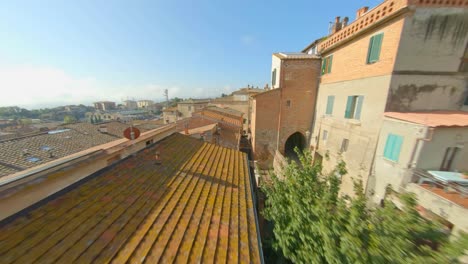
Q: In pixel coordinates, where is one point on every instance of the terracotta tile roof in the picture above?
(170, 109)
(451, 196)
(225, 110)
(194, 207)
(229, 134)
(193, 122)
(31, 151)
(433, 118)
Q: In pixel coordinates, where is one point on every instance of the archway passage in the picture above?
(293, 141)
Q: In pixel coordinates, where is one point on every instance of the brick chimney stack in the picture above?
(336, 26)
(345, 22)
(361, 11)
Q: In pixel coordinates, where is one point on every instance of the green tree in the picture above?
(69, 119)
(313, 223)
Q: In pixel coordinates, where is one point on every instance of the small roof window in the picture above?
(33, 159)
(46, 148)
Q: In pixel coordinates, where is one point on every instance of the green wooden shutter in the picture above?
(375, 45)
(360, 100)
(349, 105)
(324, 65)
(330, 59)
(330, 101)
(398, 141)
(393, 147)
(389, 146)
(369, 50)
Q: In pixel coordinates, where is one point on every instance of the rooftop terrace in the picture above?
(196, 206)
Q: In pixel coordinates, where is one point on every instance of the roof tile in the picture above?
(196, 206)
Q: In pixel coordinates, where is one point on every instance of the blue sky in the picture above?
(71, 52)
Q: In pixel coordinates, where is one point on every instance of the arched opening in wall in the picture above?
(293, 141)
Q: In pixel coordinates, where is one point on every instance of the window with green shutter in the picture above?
(393, 147)
(354, 107)
(375, 44)
(330, 101)
(327, 64)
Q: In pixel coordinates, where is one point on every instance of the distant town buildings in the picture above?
(130, 104)
(145, 103)
(104, 105)
(240, 100)
(187, 107)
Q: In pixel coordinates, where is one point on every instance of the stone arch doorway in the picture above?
(295, 140)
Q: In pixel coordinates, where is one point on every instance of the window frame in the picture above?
(273, 78)
(330, 104)
(353, 108)
(325, 135)
(327, 63)
(375, 48)
(394, 142)
(344, 145)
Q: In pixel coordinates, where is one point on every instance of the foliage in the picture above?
(69, 119)
(313, 223)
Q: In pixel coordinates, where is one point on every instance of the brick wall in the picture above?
(299, 86)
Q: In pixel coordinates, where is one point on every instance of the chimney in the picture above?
(361, 11)
(266, 87)
(157, 158)
(345, 22)
(336, 26)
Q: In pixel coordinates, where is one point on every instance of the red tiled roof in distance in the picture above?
(196, 206)
(433, 118)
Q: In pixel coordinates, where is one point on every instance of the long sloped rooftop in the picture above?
(196, 206)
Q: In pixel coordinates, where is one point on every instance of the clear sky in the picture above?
(72, 52)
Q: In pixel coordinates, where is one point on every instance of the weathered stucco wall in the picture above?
(454, 213)
(390, 172)
(433, 152)
(276, 64)
(433, 40)
(362, 134)
(426, 92)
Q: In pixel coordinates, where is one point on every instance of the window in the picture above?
(354, 106)
(466, 100)
(273, 78)
(288, 103)
(344, 145)
(190, 108)
(327, 64)
(325, 135)
(375, 44)
(450, 154)
(393, 147)
(330, 101)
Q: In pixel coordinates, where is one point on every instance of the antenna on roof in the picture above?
(166, 94)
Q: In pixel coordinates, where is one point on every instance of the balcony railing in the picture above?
(453, 191)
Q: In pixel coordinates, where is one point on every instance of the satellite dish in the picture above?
(131, 133)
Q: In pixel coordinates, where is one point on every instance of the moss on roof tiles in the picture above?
(194, 207)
